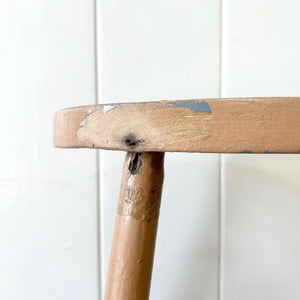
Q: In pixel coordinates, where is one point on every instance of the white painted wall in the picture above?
(48, 197)
(229, 223)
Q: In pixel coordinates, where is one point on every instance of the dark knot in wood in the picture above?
(135, 163)
(131, 141)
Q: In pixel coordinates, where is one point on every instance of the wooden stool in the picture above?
(146, 131)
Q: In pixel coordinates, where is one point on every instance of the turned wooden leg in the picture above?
(132, 252)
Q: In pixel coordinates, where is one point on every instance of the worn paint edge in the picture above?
(110, 107)
(86, 115)
(270, 151)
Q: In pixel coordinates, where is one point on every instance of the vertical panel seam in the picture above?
(96, 69)
(221, 91)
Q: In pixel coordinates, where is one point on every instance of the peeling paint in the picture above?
(196, 105)
(108, 108)
(247, 151)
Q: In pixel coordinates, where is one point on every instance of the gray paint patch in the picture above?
(74, 147)
(194, 105)
(270, 151)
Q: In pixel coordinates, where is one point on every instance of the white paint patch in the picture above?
(108, 108)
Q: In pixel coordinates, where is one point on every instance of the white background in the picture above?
(229, 224)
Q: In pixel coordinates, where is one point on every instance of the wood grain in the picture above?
(132, 251)
(238, 125)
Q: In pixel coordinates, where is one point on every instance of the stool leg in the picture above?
(132, 252)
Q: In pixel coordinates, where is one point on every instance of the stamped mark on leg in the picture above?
(138, 205)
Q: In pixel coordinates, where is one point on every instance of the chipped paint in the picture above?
(247, 151)
(80, 126)
(270, 151)
(196, 105)
(108, 108)
(91, 110)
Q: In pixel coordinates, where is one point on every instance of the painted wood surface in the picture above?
(260, 199)
(48, 197)
(241, 125)
(133, 246)
(165, 50)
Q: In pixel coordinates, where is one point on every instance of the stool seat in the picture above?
(236, 125)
